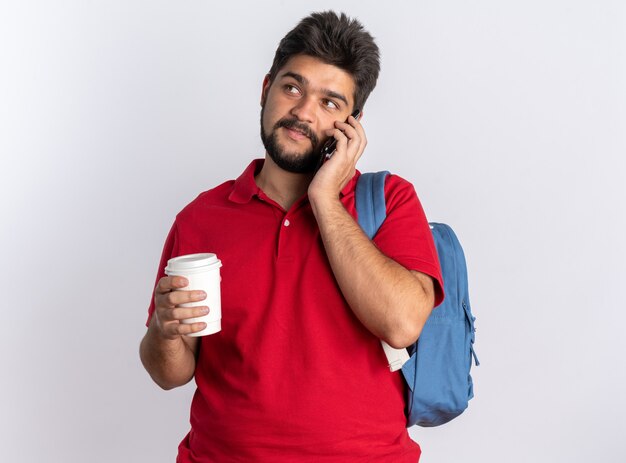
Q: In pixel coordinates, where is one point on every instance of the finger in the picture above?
(179, 297)
(354, 136)
(359, 128)
(190, 328)
(173, 330)
(168, 283)
(357, 137)
(176, 314)
(354, 143)
(185, 313)
(347, 129)
(342, 141)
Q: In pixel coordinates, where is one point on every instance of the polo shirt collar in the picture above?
(245, 186)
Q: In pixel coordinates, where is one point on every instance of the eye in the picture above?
(330, 104)
(292, 89)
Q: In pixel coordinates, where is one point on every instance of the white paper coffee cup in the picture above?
(203, 273)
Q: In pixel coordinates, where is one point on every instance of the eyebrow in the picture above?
(304, 81)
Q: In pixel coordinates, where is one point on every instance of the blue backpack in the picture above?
(437, 372)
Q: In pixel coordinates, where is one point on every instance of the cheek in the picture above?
(270, 116)
(266, 120)
(326, 124)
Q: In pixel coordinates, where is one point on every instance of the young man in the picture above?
(297, 372)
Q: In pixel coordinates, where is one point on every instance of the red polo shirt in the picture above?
(293, 376)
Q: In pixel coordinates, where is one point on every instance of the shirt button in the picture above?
(286, 223)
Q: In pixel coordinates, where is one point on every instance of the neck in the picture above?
(281, 186)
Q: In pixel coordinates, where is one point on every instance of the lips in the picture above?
(297, 130)
(296, 134)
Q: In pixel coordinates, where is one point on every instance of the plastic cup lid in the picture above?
(191, 262)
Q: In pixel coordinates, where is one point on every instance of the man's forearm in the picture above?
(391, 301)
(170, 363)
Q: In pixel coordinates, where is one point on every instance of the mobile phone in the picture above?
(331, 144)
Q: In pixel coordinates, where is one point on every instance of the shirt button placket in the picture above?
(284, 254)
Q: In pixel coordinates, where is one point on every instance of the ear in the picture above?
(265, 89)
(360, 116)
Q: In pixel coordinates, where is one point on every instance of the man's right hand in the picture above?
(169, 356)
(168, 314)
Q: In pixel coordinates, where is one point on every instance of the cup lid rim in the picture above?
(191, 261)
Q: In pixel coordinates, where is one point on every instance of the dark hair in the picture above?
(336, 40)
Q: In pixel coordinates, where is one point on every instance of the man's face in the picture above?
(305, 99)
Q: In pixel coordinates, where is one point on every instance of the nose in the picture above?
(305, 110)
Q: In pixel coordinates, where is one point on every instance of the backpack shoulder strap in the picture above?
(371, 208)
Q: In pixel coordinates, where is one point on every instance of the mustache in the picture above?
(299, 126)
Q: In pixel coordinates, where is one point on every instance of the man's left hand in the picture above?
(335, 173)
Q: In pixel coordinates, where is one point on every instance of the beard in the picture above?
(297, 163)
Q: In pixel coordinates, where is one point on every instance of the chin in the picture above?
(305, 163)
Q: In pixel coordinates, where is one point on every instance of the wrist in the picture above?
(323, 203)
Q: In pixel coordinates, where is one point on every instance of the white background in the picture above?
(509, 118)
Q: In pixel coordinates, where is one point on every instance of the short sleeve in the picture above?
(405, 235)
(170, 248)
